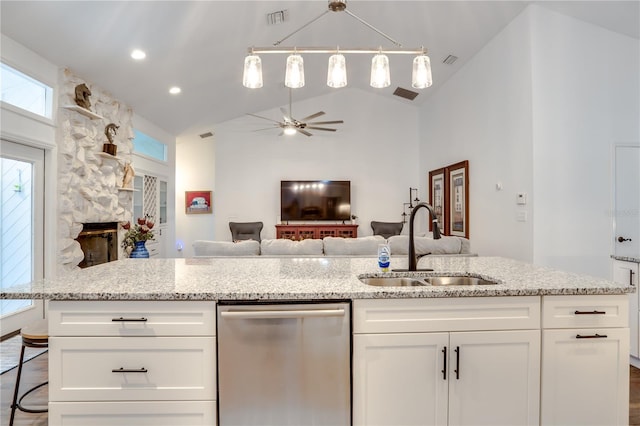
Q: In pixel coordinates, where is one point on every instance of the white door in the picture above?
(494, 378)
(400, 379)
(627, 201)
(21, 230)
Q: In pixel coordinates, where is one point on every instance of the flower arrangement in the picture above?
(141, 231)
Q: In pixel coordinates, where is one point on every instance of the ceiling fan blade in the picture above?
(326, 122)
(266, 128)
(285, 115)
(321, 128)
(304, 132)
(317, 114)
(264, 118)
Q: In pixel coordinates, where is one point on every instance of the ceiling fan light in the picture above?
(252, 76)
(289, 130)
(337, 71)
(421, 77)
(380, 74)
(294, 75)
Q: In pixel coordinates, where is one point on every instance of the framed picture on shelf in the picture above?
(438, 197)
(198, 202)
(458, 203)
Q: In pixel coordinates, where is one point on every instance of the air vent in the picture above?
(277, 18)
(449, 59)
(404, 93)
(206, 135)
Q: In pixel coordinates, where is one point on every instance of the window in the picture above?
(148, 146)
(24, 92)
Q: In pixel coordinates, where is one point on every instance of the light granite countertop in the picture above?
(290, 278)
(626, 258)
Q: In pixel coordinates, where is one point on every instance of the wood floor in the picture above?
(35, 372)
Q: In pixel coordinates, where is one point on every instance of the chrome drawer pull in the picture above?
(590, 313)
(595, 336)
(121, 319)
(129, 370)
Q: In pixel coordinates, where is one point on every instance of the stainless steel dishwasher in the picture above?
(284, 364)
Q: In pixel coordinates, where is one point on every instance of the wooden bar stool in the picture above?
(35, 335)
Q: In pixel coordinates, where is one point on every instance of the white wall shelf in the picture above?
(83, 111)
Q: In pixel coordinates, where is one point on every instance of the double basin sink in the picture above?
(436, 280)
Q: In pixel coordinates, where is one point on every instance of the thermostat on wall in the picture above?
(521, 198)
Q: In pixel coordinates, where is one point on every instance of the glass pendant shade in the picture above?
(380, 75)
(337, 71)
(421, 76)
(294, 75)
(252, 77)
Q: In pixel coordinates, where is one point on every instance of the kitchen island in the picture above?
(136, 339)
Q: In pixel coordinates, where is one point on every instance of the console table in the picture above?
(305, 231)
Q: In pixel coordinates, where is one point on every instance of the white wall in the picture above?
(195, 165)
(375, 148)
(539, 110)
(586, 97)
(483, 114)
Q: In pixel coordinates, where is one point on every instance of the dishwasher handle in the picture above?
(298, 313)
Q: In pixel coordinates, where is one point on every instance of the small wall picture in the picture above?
(198, 202)
(438, 197)
(459, 199)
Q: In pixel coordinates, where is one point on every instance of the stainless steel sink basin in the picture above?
(393, 282)
(423, 281)
(439, 281)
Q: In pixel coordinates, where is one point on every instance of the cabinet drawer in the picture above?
(168, 413)
(131, 318)
(128, 368)
(446, 314)
(585, 311)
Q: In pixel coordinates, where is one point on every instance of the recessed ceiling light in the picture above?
(138, 54)
(175, 90)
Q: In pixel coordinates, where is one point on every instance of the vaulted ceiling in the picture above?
(200, 46)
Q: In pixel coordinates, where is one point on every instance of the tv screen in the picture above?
(315, 200)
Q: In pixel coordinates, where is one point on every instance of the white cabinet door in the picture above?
(627, 273)
(585, 377)
(400, 379)
(494, 378)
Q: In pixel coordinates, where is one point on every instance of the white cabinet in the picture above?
(627, 273)
(132, 362)
(585, 368)
(435, 376)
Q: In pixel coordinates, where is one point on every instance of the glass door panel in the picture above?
(21, 229)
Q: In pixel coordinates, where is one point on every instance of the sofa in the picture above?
(333, 246)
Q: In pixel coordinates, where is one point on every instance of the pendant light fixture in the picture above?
(380, 74)
(294, 74)
(252, 77)
(337, 71)
(421, 76)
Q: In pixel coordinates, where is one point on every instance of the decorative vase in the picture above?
(139, 251)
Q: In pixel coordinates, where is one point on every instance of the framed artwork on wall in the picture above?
(438, 197)
(198, 202)
(458, 203)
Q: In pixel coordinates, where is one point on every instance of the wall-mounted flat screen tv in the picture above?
(315, 200)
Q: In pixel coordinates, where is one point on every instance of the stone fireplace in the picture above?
(99, 243)
(90, 181)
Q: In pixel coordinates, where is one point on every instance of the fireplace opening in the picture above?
(99, 243)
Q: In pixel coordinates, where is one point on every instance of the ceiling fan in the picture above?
(291, 125)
